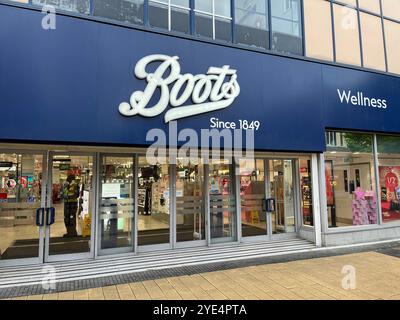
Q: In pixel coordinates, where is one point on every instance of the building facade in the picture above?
(86, 86)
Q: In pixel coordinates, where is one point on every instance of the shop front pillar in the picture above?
(316, 199)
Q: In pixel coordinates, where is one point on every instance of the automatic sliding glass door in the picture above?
(154, 219)
(190, 209)
(70, 207)
(117, 204)
(222, 202)
(252, 194)
(282, 189)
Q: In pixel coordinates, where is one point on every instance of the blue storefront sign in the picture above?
(67, 85)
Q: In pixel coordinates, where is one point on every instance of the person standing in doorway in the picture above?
(71, 196)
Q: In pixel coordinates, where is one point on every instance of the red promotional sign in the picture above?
(391, 181)
(24, 182)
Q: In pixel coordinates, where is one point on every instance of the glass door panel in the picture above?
(116, 210)
(282, 190)
(72, 199)
(153, 203)
(20, 198)
(190, 221)
(252, 194)
(222, 201)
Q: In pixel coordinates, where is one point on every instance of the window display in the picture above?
(306, 191)
(350, 180)
(389, 176)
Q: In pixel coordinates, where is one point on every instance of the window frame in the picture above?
(360, 10)
(170, 6)
(233, 42)
(323, 200)
(214, 16)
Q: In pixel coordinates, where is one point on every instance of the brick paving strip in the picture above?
(377, 277)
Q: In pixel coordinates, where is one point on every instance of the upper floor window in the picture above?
(252, 26)
(286, 26)
(268, 24)
(172, 15)
(78, 6)
(213, 19)
(130, 11)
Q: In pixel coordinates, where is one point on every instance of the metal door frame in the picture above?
(114, 251)
(296, 199)
(41, 230)
(49, 204)
(161, 246)
(193, 243)
(267, 236)
(224, 240)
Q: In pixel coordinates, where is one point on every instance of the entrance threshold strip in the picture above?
(11, 277)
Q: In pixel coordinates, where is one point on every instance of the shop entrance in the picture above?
(46, 206)
(282, 189)
(70, 206)
(223, 221)
(275, 179)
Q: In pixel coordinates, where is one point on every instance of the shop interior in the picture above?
(20, 196)
(306, 191)
(222, 201)
(282, 190)
(190, 211)
(350, 189)
(252, 193)
(117, 202)
(72, 192)
(153, 203)
(72, 186)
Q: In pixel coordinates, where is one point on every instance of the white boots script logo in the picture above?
(208, 92)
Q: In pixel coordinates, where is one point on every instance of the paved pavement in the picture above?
(377, 276)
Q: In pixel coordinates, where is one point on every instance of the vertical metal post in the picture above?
(269, 24)
(333, 31)
(169, 15)
(146, 13)
(302, 24)
(298, 216)
(207, 203)
(95, 218)
(384, 37)
(49, 194)
(213, 18)
(359, 33)
(238, 202)
(172, 205)
(136, 211)
(316, 203)
(43, 203)
(268, 195)
(233, 21)
(192, 18)
(322, 194)
(377, 182)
